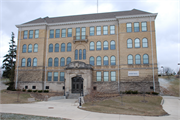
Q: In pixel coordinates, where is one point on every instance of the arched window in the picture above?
(91, 45)
(35, 47)
(69, 47)
(80, 54)
(50, 47)
(56, 62)
(35, 62)
(76, 54)
(29, 48)
(29, 62)
(130, 59)
(84, 54)
(129, 43)
(91, 60)
(56, 47)
(24, 48)
(98, 60)
(105, 45)
(62, 61)
(137, 43)
(138, 59)
(113, 60)
(98, 45)
(113, 45)
(68, 60)
(105, 60)
(62, 47)
(23, 62)
(145, 59)
(144, 43)
(50, 62)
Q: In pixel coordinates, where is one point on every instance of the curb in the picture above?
(162, 101)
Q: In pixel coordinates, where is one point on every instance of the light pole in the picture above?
(64, 87)
(179, 69)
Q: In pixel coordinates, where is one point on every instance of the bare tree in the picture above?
(167, 71)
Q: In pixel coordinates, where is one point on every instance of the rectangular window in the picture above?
(63, 33)
(106, 76)
(144, 26)
(62, 76)
(136, 27)
(36, 33)
(113, 76)
(33, 87)
(55, 76)
(49, 76)
(51, 34)
(30, 34)
(98, 76)
(91, 31)
(98, 30)
(128, 27)
(112, 29)
(105, 30)
(77, 33)
(69, 32)
(25, 34)
(57, 33)
(47, 87)
(83, 33)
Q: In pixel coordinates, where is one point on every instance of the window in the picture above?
(105, 30)
(30, 34)
(47, 87)
(83, 33)
(35, 47)
(105, 61)
(63, 33)
(129, 43)
(144, 43)
(91, 60)
(56, 47)
(91, 45)
(91, 31)
(77, 33)
(55, 76)
(49, 76)
(112, 29)
(29, 62)
(24, 48)
(112, 45)
(128, 27)
(80, 54)
(62, 61)
(57, 33)
(113, 60)
(105, 46)
(84, 54)
(106, 76)
(62, 47)
(98, 60)
(23, 62)
(51, 34)
(137, 43)
(25, 34)
(50, 62)
(56, 62)
(76, 54)
(98, 45)
(69, 32)
(98, 30)
(35, 62)
(26, 87)
(145, 59)
(113, 76)
(136, 27)
(68, 60)
(29, 48)
(98, 76)
(61, 76)
(33, 87)
(138, 59)
(130, 59)
(50, 47)
(69, 47)
(36, 33)
(144, 26)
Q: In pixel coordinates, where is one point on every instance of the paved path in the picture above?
(66, 108)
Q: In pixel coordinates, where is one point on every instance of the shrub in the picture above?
(46, 91)
(147, 92)
(34, 90)
(128, 92)
(134, 92)
(24, 90)
(13, 89)
(40, 91)
(155, 93)
(29, 90)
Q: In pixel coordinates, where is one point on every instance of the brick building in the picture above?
(109, 52)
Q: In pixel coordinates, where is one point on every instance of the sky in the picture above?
(167, 23)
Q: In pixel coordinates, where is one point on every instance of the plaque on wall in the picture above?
(133, 73)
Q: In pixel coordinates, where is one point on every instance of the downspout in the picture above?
(46, 57)
(118, 54)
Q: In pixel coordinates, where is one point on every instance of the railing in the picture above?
(80, 38)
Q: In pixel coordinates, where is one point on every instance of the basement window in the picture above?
(26, 87)
(47, 87)
(151, 87)
(33, 87)
(94, 88)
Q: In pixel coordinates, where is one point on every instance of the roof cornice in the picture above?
(137, 16)
(28, 25)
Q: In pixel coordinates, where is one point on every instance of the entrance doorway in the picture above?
(77, 84)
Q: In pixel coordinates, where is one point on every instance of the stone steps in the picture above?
(73, 96)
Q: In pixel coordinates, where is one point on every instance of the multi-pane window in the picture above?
(63, 47)
(113, 76)
(69, 47)
(130, 59)
(105, 45)
(136, 27)
(29, 62)
(91, 60)
(98, 76)
(24, 48)
(56, 62)
(80, 54)
(112, 46)
(77, 33)
(144, 42)
(105, 61)
(51, 34)
(83, 33)
(36, 33)
(69, 32)
(50, 47)
(25, 34)
(23, 62)
(128, 27)
(50, 62)
(29, 48)
(91, 45)
(112, 29)
(55, 76)
(49, 76)
(91, 31)
(62, 61)
(57, 33)
(56, 47)
(138, 59)
(63, 33)
(68, 60)
(61, 76)
(106, 76)
(105, 30)
(30, 34)
(98, 30)
(144, 26)
(35, 62)
(84, 54)
(35, 47)
(129, 43)
(76, 54)
(145, 59)
(113, 60)
(137, 43)
(98, 60)
(98, 45)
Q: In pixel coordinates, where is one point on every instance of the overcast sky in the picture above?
(14, 12)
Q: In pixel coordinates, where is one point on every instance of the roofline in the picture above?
(137, 16)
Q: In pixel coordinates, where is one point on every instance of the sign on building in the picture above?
(133, 73)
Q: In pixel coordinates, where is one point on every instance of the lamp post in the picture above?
(179, 69)
(64, 87)
(163, 70)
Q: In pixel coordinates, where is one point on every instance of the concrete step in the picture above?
(73, 96)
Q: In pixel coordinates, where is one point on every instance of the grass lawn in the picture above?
(132, 105)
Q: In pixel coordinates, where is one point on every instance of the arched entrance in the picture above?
(77, 84)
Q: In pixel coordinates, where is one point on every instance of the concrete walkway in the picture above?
(66, 108)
